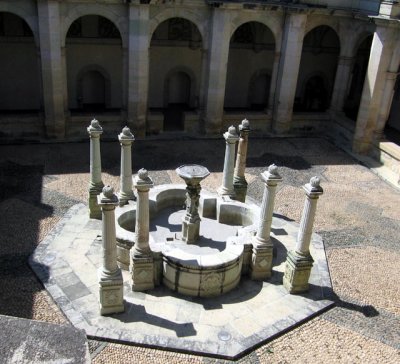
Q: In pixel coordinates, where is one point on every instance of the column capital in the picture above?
(107, 198)
(94, 129)
(126, 137)
(313, 188)
(231, 135)
(271, 175)
(142, 181)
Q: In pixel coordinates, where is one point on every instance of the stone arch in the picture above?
(107, 83)
(83, 10)
(331, 22)
(84, 52)
(272, 23)
(319, 57)
(190, 16)
(192, 87)
(251, 40)
(175, 45)
(30, 19)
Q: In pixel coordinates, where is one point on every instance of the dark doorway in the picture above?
(178, 100)
(93, 91)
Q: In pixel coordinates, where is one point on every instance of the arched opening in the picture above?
(319, 60)
(176, 58)
(359, 71)
(250, 63)
(20, 89)
(94, 65)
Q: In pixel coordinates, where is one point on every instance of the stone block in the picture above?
(111, 294)
(94, 208)
(297, 272)
(142, 271)
(261, 263)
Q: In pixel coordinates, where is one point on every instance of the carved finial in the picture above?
(143, 174)
(245, 125)
(108, 191)
(232, 130)
(273, 169)
(126, 131)
(94, 126)
(95, 123)
(315, 181)
(126, 135)
(271, 174)
(313, 187)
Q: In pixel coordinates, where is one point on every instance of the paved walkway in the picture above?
(358, 217)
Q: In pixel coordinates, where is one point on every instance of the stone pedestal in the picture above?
(239, 180)
(261, 262)
(126, 139)
(299, 262)
(96, 184)
(192, 175)
(109, 275)
(226, 189)
(142, 263)
(297, 272)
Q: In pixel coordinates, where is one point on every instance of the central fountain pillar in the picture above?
(192, 175)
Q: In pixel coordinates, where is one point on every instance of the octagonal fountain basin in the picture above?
(214, 263)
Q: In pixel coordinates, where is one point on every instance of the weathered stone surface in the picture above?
(25, 341)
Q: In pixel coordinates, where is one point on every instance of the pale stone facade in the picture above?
(198, 66)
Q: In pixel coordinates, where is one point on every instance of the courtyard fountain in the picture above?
(184, 267)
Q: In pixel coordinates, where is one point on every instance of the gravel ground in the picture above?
(358, 216)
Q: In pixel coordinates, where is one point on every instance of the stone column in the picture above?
(142, 263)
(340, 88)
(110, 277)
(227, 180)
(274, 76)
(388, 91)
(216, 70)
(299, 261)
(52, 67)
(371, 98)
(292, 44)
(126, 139)
(96, 184)
(261, 263)
(239, 179)
(138, 67)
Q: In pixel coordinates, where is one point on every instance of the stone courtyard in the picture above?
(358, 217)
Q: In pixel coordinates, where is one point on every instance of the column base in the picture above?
(111, 293)
(223, 191)
(94, 208)
(361, 147)
(190, 231)
(240, 188)
(297, 272)
(142, 272)
(261, 262)
(124, 198)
